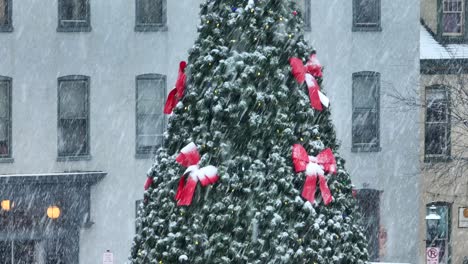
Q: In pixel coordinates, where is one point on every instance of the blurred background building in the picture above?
(444, 126)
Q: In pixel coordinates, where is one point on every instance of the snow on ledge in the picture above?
(430, 49)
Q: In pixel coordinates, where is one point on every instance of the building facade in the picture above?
(82, 84)
(444, 101)
(368, 56)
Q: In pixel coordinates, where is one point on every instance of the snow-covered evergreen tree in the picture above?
(244, 110)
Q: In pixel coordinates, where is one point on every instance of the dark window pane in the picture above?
(149, 130)
(3, 12)
(150, 12)
(437, 111)
(436, 139)
(452, 22)
(74, 10)
(5, 252)
(151, 96)
(365, 127)
(73, 137)
(4, 99)
(4, 138)
(366, 12)
(73, 99)
(369, 205)
(365, 92)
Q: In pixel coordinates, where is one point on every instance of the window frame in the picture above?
(139, 154)
(73, 26)
(370, 27)
(9, 11)
(444, 38)
(307, 15)
(436, 157)
(141, 27)
(8, 158)
(67, 157)
(366, 147)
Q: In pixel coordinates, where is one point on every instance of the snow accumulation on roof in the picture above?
(430, 49)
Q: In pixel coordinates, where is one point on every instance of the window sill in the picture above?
(437, 159)
(73, 158)
(367, 29)
(74, 29)
(7, 160)
(6, 29)
(144, 155)
(366, 149)
(151, 28)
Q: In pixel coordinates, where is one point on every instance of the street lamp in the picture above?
(53, 212)
(432, 220)
(6, 205)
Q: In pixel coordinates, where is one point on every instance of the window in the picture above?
(453, 17)
(74, 16)
(438, 233)
(5, 119)
(151, 96)
(437, 129)
(369, 207)
(366, 15)
(306, 13)
(73, 117)
(5, 16)
(150, 15)
(366, 111)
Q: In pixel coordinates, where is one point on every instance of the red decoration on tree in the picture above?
(177, 93)
(354, 192)
(149, 182)
(314, 167)
(189, 157)
(308, 73)
(294, 12)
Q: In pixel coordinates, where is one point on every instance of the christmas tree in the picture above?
(249, 170)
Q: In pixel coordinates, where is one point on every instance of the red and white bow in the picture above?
(178, 92)
(189, 157)
(314, 167)
(308, 73)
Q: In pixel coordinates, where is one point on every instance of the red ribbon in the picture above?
(314, 167)
(189, 157)
(177, 93)
(148, 183)
(308, 73)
